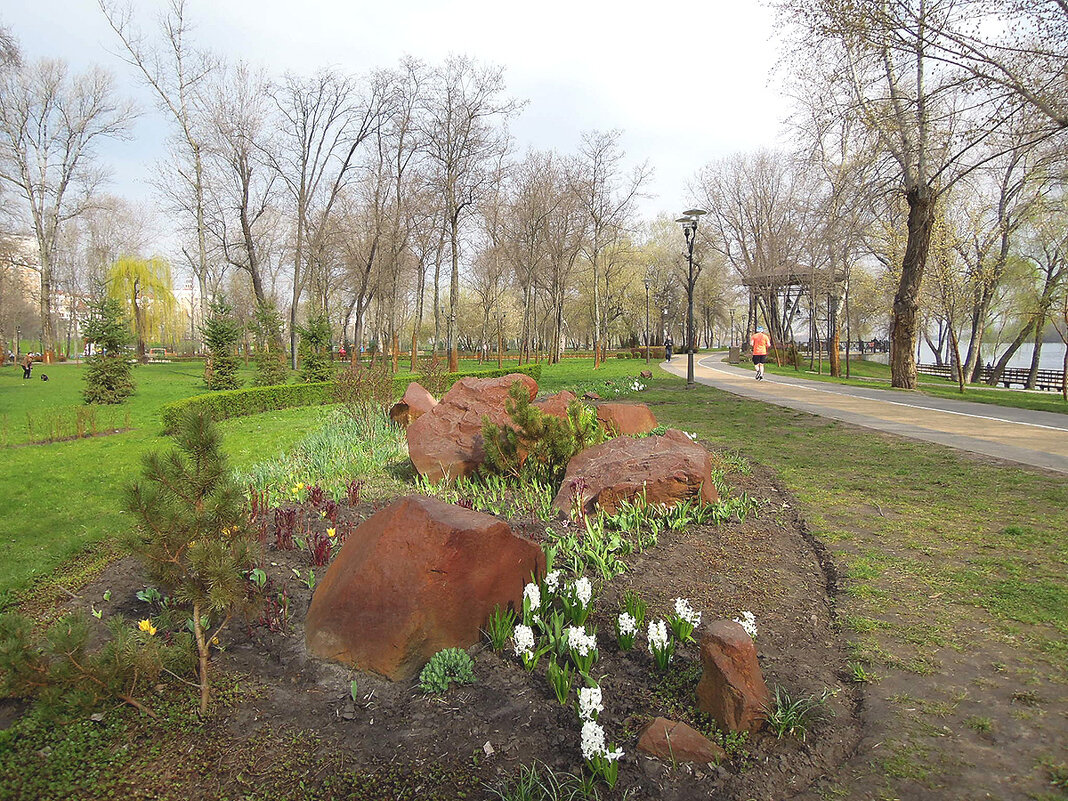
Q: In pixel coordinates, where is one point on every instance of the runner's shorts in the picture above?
(760, 358)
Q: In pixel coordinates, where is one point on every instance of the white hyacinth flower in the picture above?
(627, 624)
(593, 745)
(589, 703)
(579, 641)
(583, 591)
(658, 635)
(685, 611)
(748, 622)
(552, 581)
(524, 640)
(533, 594)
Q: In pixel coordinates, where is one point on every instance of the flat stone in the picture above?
(557, 404)
(732, 689)
(418, 576)
(673, 741)
(669, 469)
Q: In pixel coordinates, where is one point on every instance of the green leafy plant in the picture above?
(107, 376)
(445, 667)
(560, 679)
(363, 391)
(860, 674)
(634, 606)
(192, 534)
(354, 690)
(788, 716)
(221, 335)
(499, 628)
(537, 782)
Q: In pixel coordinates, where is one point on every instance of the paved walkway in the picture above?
(1039, 439)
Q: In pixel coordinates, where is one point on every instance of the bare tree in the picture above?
(464, 118)
(176, 72)
(609, 197)
(324, 120)
(50, 124)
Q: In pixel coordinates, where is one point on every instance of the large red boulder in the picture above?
(669, 468)
(626, 419)
(732, 689)
(418, 576)
(557, 404)
(446, 442)
(416, 402)
(673, 741)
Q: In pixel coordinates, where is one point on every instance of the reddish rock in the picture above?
(557, 404)
(670, 468)
(646, 373)
(418, 576)
(626, 419)
(415, 403)
(446, 442)
(591, 396)
(672, 741)
(732, 689)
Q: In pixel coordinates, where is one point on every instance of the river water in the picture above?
(1051, 358)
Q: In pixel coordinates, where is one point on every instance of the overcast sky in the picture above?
(687, 83)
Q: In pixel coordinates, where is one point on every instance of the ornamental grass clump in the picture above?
(193, 534)
(684, 620)
(445, 667)
(500, 627)
(661, 644)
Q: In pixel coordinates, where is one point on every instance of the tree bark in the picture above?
(904, 326)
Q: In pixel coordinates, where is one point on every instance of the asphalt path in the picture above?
(1038, 439)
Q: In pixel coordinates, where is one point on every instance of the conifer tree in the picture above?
(193, 535)
(314, 350)
(107, 379)
(221, 335)
(271, 367)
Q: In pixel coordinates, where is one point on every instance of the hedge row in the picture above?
(255, 400)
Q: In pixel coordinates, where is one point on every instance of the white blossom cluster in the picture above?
(583, 591)
(579, 641)
(589, 703)
(524, 640)
(552, 581)
(533, 594)
(658, 635)
(593, 745)
(685, 611)
(692, 435)
(637, 386)
(748, 622)
(627, 624)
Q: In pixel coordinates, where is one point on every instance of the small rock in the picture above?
(672, 741)
(626, 418)
(732, 689)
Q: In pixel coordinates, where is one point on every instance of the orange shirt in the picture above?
(760, 342)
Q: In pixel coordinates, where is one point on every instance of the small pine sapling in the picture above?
(107, 378)
(221, 335)
(193, 533)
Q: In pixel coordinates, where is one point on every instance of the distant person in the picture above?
(27, 366)
(760, 342)
(668, 345)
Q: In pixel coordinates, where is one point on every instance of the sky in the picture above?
(686, 83)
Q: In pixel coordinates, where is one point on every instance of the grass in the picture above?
(63, 497)
(865, 373)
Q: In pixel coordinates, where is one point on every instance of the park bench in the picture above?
(1044, 379)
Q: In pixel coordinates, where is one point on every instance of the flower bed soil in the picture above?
(441, 747)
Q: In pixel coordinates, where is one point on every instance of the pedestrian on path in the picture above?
(760, 341)
(668, 345)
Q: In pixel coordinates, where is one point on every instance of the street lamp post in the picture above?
(647, 321)
(688, 220)
(732, 327)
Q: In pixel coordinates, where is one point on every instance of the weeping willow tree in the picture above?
(144, 288)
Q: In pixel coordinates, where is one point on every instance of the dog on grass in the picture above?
(44, 376)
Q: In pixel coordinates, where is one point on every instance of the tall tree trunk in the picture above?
(1036, 353)
(454, 297)
(904, 323)
(1002, 363)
